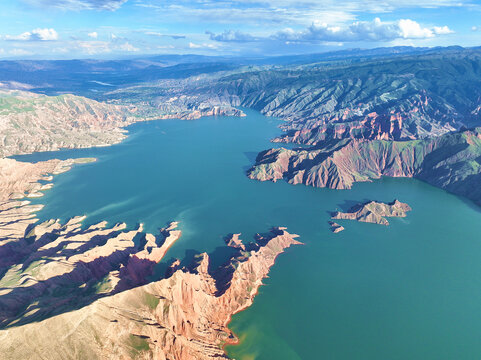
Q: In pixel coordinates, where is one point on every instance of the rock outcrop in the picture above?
(374, 212)
(234, 241)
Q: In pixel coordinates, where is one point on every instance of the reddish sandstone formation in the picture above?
(72, 262)
(450, 161)
(184, 316)
(69, 291)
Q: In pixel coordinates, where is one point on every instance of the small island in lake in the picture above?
(335, 227)
(374, 212)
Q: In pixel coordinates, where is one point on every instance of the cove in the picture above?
(408, 291)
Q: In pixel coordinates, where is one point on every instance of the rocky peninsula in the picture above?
(70, 290)
(374, 212)
(183, 316)
(449, 161)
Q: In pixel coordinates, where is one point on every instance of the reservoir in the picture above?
(411, 290)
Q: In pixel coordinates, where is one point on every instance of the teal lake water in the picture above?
(408, 291)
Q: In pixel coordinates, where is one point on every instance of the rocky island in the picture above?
(335, 227)
(374, 212)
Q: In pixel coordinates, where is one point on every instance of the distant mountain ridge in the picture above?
(400, 98)
(78, 76)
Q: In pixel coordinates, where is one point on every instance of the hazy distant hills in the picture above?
(90, 77)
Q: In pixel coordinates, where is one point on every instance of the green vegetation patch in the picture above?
(103, 286)
(151, 301)
(138, 344)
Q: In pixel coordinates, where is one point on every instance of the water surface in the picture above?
(408, 291)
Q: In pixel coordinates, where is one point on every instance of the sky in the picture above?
(66, 29)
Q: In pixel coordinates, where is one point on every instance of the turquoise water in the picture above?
(408, 291)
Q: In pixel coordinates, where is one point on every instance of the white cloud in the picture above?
(375, 30)
(284, 12)
(109, 5)
(93, 35)
(194, 46)
(35, 35)
(442, 30)
(409, 29)
(94, 47)
(127, 47)
(232, 36)
(412, 30)
(202, 46)
(103, 47)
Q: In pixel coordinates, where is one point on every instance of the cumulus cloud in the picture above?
(232, 36)
(110, 5)
(410, 29)
(375, 30)
(442, 30)
(34, 35)
(93, 35)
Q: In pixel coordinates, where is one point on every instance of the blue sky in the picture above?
(118, 28)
